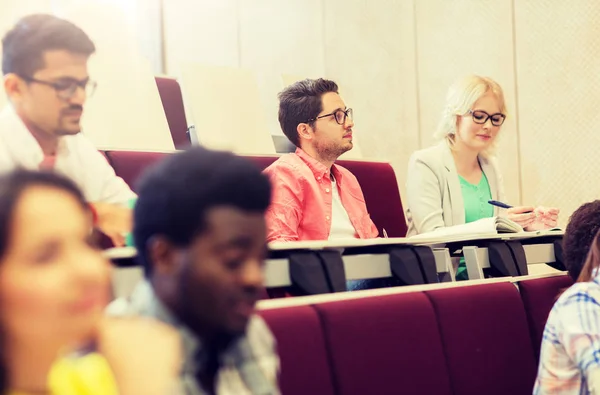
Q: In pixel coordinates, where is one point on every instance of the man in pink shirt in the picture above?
(314, 199)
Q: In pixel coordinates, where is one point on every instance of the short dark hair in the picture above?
(175, 195)
(24, 45)
(579, 235)
(301, 102)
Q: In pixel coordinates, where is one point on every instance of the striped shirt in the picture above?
(570, 353)
(249, 366)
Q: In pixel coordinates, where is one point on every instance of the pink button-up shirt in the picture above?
(301, 202)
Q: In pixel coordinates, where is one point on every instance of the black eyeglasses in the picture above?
(481, 117)
(339, 115)
(66, 89)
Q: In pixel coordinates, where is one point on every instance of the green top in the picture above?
(476, 204)
(475, 198)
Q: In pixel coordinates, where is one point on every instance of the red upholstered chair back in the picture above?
(129, 165)
(538, 297)
(302, 351)
(385, 345)
(263, 161)
(462, 340)
(380, 187)
(172, 101)
(486, 339)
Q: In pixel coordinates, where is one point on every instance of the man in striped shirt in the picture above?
(570, 353)
(201, 237)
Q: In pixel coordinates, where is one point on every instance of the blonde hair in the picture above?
(461, 97)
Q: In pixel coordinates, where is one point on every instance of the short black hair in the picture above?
(24, 45)
(301, 102)
(579, 235)
(175, 195)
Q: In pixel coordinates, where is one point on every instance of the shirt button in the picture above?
(327, 190)
(318, 178)
(327, 218)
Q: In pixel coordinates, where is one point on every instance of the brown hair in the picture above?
(301, 103)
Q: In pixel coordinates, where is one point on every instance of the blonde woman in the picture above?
(451, 183)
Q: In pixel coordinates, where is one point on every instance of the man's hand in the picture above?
(114, 221)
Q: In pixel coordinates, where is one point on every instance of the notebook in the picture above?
(484, 226)
(492, 227)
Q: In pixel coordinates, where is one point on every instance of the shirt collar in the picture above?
(21, 141)
(318, 169)
(146, 303)
(596, 275)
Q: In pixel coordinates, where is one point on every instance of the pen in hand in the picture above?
(504, 205)
(499, 204)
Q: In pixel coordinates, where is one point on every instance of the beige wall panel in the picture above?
(126, 111)
(224, 105)
(460, 37)
(369, 51)
(200, 31)
(280, 37)
(558, 59)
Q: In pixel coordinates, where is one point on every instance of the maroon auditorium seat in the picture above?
(377, 180)
(380, 187)
(486, 339)
(538, 297)
(263, 161)
(301, 348)
(172, 101)
(129, 165)
(385, 345)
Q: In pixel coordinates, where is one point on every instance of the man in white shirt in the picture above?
(47, 83)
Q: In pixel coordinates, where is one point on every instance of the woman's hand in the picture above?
(523, 215)
(546, 218)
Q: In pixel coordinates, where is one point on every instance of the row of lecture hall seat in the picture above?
(378, 182)
(464, 340)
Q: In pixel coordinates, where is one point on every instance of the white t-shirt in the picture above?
(341, 226)
(76, 158)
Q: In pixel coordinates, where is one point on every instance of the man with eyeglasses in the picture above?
(47, 83)
(313, 198)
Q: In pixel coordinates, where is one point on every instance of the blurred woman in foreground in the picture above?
(54, 287)
(570, 353)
